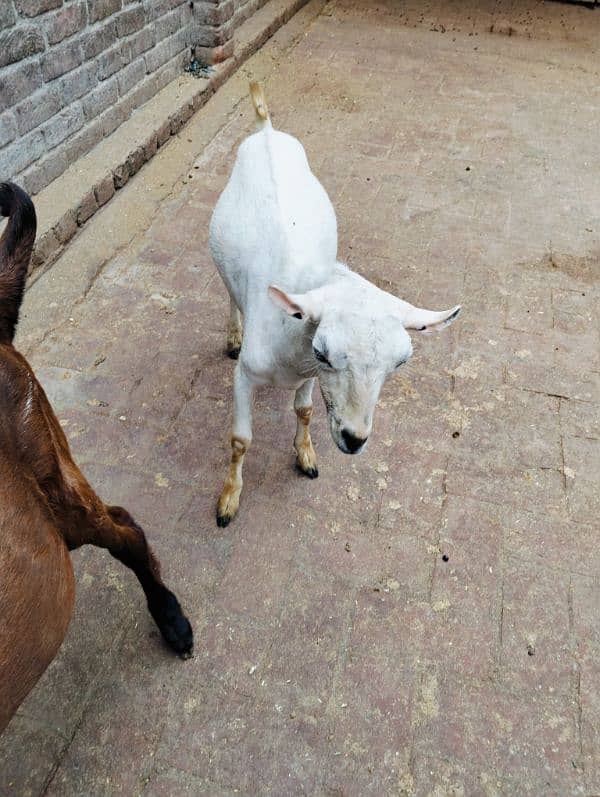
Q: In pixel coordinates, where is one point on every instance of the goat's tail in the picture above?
(259, 102)
(16, 246)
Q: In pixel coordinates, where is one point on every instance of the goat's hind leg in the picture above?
(306, 459)
(234, 331)
(113, 528)
(133, 550)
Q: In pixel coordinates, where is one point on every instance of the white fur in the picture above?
(275, 226)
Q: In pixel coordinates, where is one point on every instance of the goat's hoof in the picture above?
(174, 625)
(223, 520)
(234, 353)
(311, 472)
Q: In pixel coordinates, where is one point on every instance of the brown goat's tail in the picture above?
(16, 246)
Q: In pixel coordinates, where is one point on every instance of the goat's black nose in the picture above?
(353, 443)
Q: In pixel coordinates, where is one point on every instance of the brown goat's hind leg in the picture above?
(125, 540)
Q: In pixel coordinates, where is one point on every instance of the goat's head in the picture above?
(359, 338)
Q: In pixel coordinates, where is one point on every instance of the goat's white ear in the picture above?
(298, 305)
(427, 320)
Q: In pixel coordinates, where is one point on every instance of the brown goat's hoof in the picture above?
(173, 624)
(233, 354)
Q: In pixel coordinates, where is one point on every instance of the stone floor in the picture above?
(423, 619)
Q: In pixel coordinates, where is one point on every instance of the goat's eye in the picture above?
(400, 363)
(321, 357)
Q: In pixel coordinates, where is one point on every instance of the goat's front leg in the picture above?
(306, 458)
(234, 331)
(241, 437)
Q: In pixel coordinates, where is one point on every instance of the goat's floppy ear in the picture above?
(298, 305)
(427, 320)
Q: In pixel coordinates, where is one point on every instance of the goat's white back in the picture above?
(273, 222)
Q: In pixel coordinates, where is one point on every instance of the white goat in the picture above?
(274, 223)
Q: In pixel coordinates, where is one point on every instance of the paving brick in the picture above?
(82, 142)
(254, 584)
(45, 748)
(368, 558)
(87, 207)
(17, 156)
(366, 632)
(31, 8)
(61, 60)
(173, 783)
(582, 470)
(45, 246)
(488, 730)
(533, 489)
(586, 628)
(100, 38)
(298, 667)
(8, 128)
(66, 227)
(104, 190)
(511, 426)
(131, 75)
(130, 21)
(66, 22)
(100, 98)
(20, 42)
(112, 118)
(161, 53)
(62, 126)
(77, 83)
(464, 618)
(536, 650)
(115, 743)
(45, 170)
(100, 9)
(7, 16)
(37, 108)
(111, 61)
(140, 42)
(18, 82)
(372, 723)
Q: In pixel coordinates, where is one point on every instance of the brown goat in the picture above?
(47, 508)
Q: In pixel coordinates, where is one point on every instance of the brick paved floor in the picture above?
(423, 619)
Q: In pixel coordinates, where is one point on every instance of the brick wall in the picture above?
(72, 71)
(244, 9)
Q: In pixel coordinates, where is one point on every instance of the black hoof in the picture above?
(222, 521)
(312, 473)
(173, 625)
(233, 354)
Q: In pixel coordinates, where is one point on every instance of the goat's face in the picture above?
(360, 338)
(354, 353)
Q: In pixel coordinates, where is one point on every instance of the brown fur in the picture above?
(46, 505)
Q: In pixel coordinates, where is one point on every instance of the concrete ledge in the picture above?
(67, 203)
